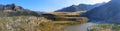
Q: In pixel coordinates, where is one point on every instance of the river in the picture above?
(80, 27)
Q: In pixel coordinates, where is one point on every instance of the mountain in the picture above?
(109, 12)
(72, 8)
(89, 7)
(1, 7)
(14, 10)
(80, 7)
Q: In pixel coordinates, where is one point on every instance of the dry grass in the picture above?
(104, 27)
(27, 23)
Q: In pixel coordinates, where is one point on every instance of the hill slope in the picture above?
(108, 12)
(14, 10)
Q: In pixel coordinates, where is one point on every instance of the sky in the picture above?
(49, 5)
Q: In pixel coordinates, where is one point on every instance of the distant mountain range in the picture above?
(14, 10)
(72, 8)
(109, 12)
(80, 7)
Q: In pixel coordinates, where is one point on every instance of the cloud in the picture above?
(99, 1)
(91, 1)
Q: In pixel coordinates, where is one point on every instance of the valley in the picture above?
(16, 18)
(81, 17)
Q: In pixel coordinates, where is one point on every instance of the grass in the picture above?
(66, 22)
(32, 23)
(104, 27)
(27, 23)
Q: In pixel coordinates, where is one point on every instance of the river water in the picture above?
(80, 27)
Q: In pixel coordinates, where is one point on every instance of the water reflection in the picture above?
(80, 27)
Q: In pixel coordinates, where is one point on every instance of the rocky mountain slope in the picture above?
(108, 12)
(14, 10)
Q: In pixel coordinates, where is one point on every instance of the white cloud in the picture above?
(91, 1)
(98, 1)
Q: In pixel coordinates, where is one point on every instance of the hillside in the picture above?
(66, 16)
(109, 12)
(14, 10)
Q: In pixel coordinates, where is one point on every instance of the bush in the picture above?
(108, 27)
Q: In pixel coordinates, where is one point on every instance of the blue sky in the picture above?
(49, 5)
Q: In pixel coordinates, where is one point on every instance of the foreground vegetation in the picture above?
(32, 23)
(26, 23)
(104, 27)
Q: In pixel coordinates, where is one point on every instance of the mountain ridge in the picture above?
(109, 12)
(72, 8)
(80, 7)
